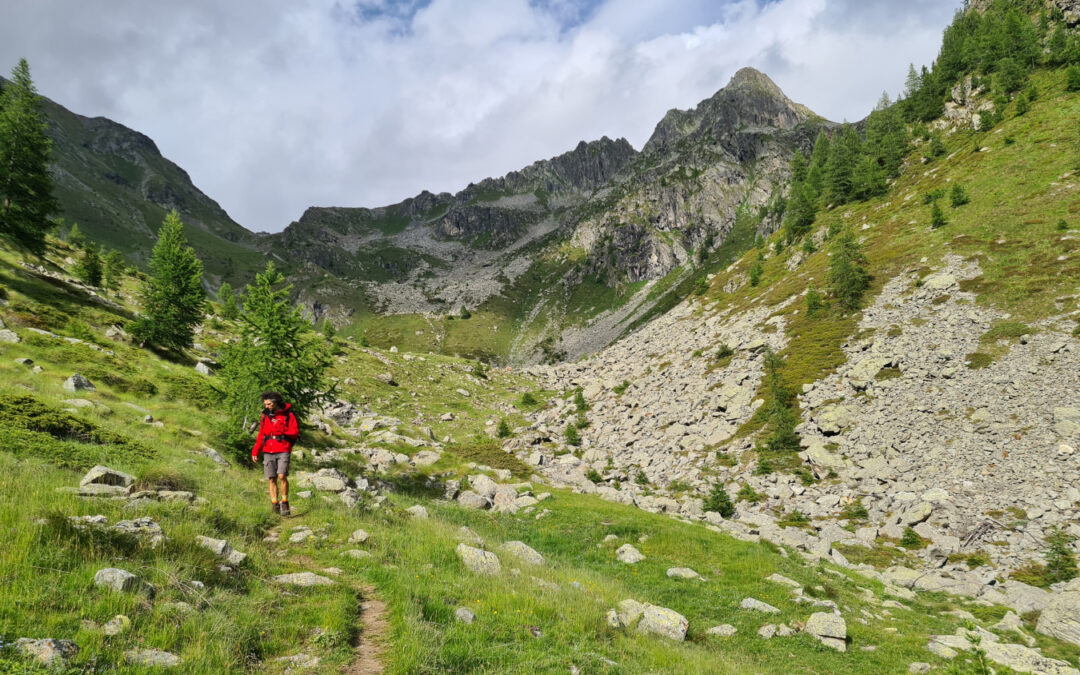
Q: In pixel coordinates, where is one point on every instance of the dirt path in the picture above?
(375, 629)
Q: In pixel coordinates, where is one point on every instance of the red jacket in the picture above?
(277, 432)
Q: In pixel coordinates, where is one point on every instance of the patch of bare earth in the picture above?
(374, 629)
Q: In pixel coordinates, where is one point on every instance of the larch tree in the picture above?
(26, 186)
(173, 296)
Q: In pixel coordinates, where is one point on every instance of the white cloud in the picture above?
(273, 106)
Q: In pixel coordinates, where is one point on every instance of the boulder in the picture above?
(1061, 616)
(483, 485)
(471, 500)
(628, 554)
(417, 511)
(629, 611)
(358, 537)
(78, 383)
(1023, 598)
(864, 372)
(303, 580)
(10, 336)
(833, 419)
(523, 552)
(682, 573)
(425, 458)
(356, 554)
(663, 622)
(723, 630)
(47, 651)
(329, 480)
(464, 615)
(830, 629)
(152, 658)
(118, 580)
(221, 548)
(758, 606)
(477, 560)
(103, 475)
(116, 625)
(202, 368)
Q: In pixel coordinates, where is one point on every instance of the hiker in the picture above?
(278, 430)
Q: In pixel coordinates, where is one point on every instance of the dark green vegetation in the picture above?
(26, 186)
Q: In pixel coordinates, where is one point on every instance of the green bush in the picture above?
(1060, 559)
(594, 475)
(504, 429)
(911, 539)
(958, 196)
(855, 511)
(641, 478)
(724, 351)
(621, 388)
(572, 436)
(718, 501)
(937, 217)
(747, 493)
(527, 399)
(756, 270)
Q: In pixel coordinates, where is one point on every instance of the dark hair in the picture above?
(279, 402)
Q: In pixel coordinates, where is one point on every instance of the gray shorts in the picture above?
(276, 464)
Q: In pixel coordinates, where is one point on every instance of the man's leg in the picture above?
(284, 494)
(273, 491)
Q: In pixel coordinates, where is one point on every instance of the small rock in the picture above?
(628, 554)
(78, 383)
(303, 579)
(523, 552)
(682, 573)
(723, 630)
(298, 662)
(118, 580)
(152, 658)
(358, 537)
(103, 475)
(116, 625)
(464, 615)
(356, 554)
(418, 512)
(758, 606)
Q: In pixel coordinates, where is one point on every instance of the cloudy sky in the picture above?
(276, 105)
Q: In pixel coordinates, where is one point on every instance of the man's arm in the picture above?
(259, 440)
(292, 428)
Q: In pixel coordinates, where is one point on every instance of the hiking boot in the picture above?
(284, 508)
(275, 507)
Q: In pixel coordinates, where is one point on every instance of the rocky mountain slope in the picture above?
(113, 182)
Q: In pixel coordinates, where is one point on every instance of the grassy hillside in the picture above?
(529, 618)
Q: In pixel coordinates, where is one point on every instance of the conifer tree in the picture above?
(114, 269)
(89, 269)
(1072, 78)
(278, 350)
(75, 236)
(226, 297)
(26, 186)
(815, 178)
(847, 275)
(937, 217)
(173, 297)
(839, 170)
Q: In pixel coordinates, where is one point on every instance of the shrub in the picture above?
(504, 429)
(1072, 78)
(847, 275)
(756, 270)
(1062, 226)
(763, 468)
(527, 399)
(937, 217)
(621, 388)
(195, 390)
(579, 401)
(572, 436)
(911, 538)
(958, 196)
(465, 313)
(1060, 559)
(855, 511)
(718, 501)
(641, 478)
(594, 475)
(479, 371)
(813, 301)
(747, 493)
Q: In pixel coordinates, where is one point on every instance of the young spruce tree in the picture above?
(26, 186)
(278, 350)
(226, 297)
(847, 275)
(173, 297)
(89, 269)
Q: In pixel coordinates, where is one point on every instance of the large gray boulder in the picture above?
(758, 606)
(9, 336)
(1023, 598)
(523, 552)
(329, 480)
(663, 622)
(1061, 617)
(472, 500)
(103, 475)
(78, 383)
(118, 580)
(477, 560)
(483, 485)
(830, 629)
